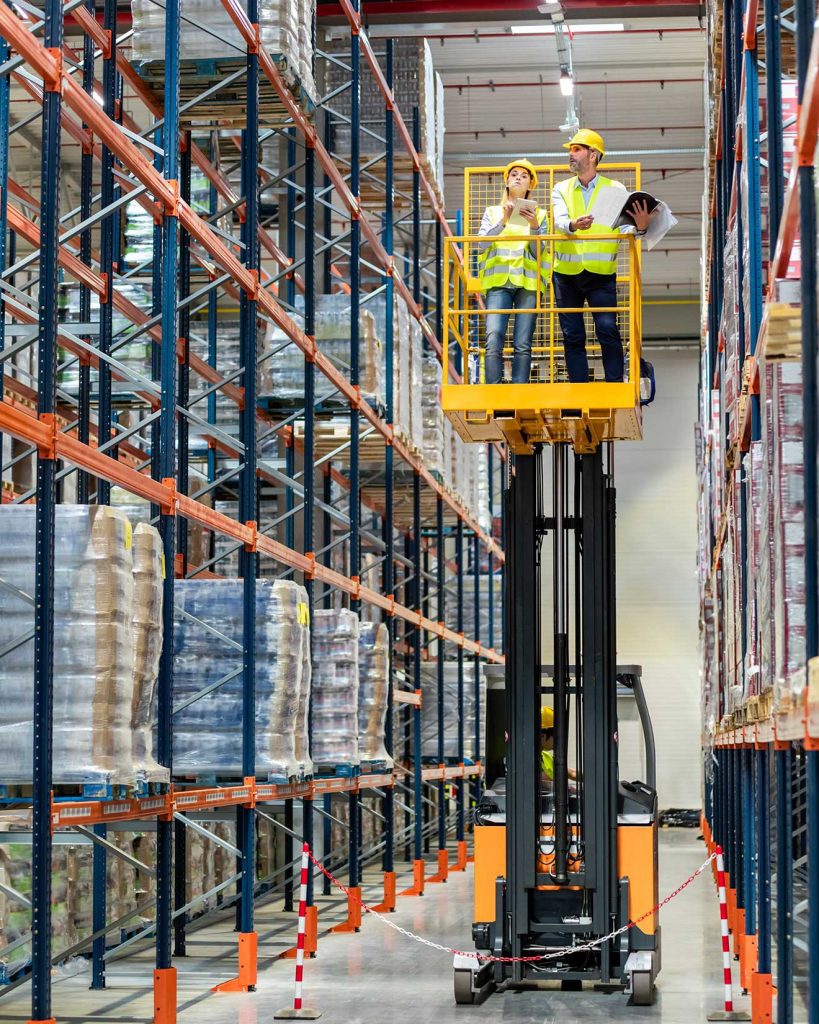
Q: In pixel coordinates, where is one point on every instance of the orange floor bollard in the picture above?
(165, 995)
(248, 966)
(443, 868)
(748, 961)
(762, 999)
(417, 887)
(463, 857)
(388, 905)
(353, 922)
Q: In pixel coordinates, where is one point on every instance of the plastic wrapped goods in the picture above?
(429, 711)
(207, 639)
(282, 373)
(335, 688)
(302, 737)
(373, 690)
(93, 660)
(432, 415)
(148, 560)
(207, 31)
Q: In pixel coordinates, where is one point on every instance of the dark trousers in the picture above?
(574, 291)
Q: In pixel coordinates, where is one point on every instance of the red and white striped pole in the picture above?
(298, 1011)
(728, 1013)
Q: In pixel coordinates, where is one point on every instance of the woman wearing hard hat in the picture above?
(510, 272)
(585, 267)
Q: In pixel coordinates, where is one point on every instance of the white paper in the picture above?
(660, 224)
(608, 205)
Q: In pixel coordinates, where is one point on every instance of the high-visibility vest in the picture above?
(512, 264)
(596, 255)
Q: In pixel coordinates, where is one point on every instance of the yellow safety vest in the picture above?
(511, 264)
(573, 255)
(547, 763)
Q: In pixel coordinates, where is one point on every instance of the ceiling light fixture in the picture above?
(578, 29)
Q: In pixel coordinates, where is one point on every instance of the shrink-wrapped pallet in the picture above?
(302, 731)
(373, 691)
(413, 85)
(789, 528)
(149, 573)
(432, 415)
(207, 32)
(93, 658)
(429, 711)
(281, 364)
(335, 688)
(207, 654)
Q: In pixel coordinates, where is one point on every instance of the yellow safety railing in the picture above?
(549, 406)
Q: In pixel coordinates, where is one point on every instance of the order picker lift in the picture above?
(559, 865)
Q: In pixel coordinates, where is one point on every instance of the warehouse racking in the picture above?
(758, 494)
(382, 540)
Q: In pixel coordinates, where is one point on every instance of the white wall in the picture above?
(656, 580)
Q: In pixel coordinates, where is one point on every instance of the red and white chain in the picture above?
(488, 958)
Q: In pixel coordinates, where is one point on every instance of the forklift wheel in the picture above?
(642, 989)
(464, 996)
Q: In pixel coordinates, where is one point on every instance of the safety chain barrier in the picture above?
(487, 957)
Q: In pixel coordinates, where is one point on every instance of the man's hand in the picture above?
(582, 223)
(639, 211)
(508, 207)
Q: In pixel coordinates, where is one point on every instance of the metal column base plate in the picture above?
(305, 1013)
(729, 1015)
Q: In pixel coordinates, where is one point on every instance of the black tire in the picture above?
(464, 996)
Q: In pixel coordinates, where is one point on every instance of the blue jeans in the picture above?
(573, 291)
(524, 329)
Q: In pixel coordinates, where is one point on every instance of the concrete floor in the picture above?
(380, 977)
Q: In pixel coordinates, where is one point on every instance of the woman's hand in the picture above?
(508, 207)
(530, 216)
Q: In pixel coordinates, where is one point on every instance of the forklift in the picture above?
(560, 864)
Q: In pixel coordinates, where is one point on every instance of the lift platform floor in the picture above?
(378, 975)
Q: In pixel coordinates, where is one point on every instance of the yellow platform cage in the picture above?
(549, 408)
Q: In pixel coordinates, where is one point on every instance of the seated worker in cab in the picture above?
(547, 745)
(510, 271)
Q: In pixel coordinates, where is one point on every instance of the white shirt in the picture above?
(560, 212)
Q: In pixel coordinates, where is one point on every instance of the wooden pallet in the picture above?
(226, 107)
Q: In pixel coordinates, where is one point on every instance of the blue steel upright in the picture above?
(309, 427)
(459, 558)
(166, 467)
(107, 244)
(441, 585)
(805, 15)
(389, 482)
(355, 299)
(45, 554)
(247, 483)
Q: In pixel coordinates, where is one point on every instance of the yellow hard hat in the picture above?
(547, 717)
(586, 137)
(526, 165)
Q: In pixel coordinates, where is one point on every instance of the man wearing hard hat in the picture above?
(547, 744)
(585, 267)
(512, 272)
